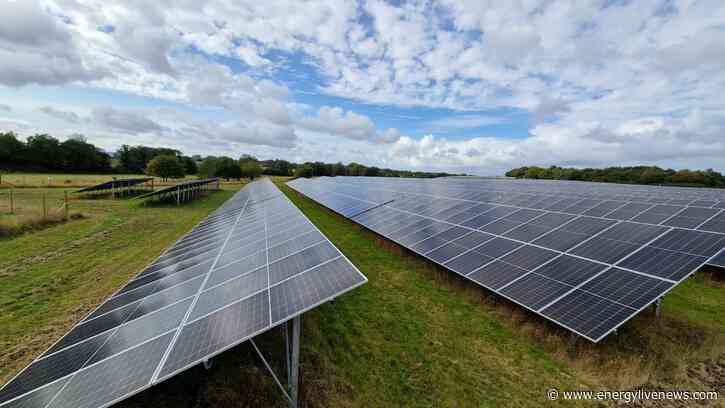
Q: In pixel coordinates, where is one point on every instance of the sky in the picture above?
(453, 85)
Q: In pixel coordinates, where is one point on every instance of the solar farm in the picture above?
(275, 262)
(584, 256)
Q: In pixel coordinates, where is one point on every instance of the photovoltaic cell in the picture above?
(206, 293)
(597, 239)
(586, 313)
(497, 274)
(113, 378)
(310, 288)
(534, 290)
(628, 288)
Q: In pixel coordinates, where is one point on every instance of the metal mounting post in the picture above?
(295, 361)
(287, 364)
(658, 307)
(292, 360)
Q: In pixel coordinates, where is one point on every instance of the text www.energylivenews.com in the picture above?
(632, 395)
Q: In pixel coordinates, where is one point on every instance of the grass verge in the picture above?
(50, 279)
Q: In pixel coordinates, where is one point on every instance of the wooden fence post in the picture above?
(45, 208)
(65, 206)
(12, 202)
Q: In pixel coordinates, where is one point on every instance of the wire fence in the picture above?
(27, 202)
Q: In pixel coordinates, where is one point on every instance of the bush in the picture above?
(165, 166)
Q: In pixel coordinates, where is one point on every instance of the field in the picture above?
(35, 180)
(413, 336)
(31, 201)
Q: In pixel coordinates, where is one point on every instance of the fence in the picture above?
(26, 202)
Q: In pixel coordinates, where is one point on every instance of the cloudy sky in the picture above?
(475, 86)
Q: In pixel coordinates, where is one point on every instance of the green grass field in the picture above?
(55, 180)
(51, 278)
(415, 335)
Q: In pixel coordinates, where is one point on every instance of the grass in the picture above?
(51, 278)
(35, 180)
(415, 335)
(64, 180)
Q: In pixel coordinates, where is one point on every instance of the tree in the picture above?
(305, 170)
(276, 167)
(43, 152)
(134, 159)
(372, 172)
(80, 156)
(355, 169)
(190, 166)
(228, 168)
(11, 149)
(207, 168)
(165, 166)
(338, 169)
(251, 169)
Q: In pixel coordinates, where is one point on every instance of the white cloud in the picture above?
(644, 141)
(464, 121)
(122, 121)
(6, 108)
(233, 134)
(35, 47)
(607, 84)
(335, 121)
(67, 116)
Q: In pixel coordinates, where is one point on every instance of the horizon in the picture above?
(449, 86)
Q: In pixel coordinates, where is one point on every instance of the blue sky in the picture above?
(455, 85)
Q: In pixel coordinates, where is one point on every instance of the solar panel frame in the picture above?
(122, 338)
(442, 254)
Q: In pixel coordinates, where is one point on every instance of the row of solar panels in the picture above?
(115, 184)
(253, 264)
(443, 194)
(623, 192)
(588, 274)
(180, 187)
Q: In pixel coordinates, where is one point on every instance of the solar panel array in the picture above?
(179, 187)
(587, 256)
(718, 260)
(253, 264)
(113, 184)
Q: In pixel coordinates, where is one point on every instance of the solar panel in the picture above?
(587, 256)
(179, 188)
(253, 264)
(719, 260)
(115, 184)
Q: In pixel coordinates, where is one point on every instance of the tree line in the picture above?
(316, 169)
(44, 153)
(630, 175)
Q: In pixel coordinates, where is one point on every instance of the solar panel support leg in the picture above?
(286, 351)
(658, 307)
(295, 361)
